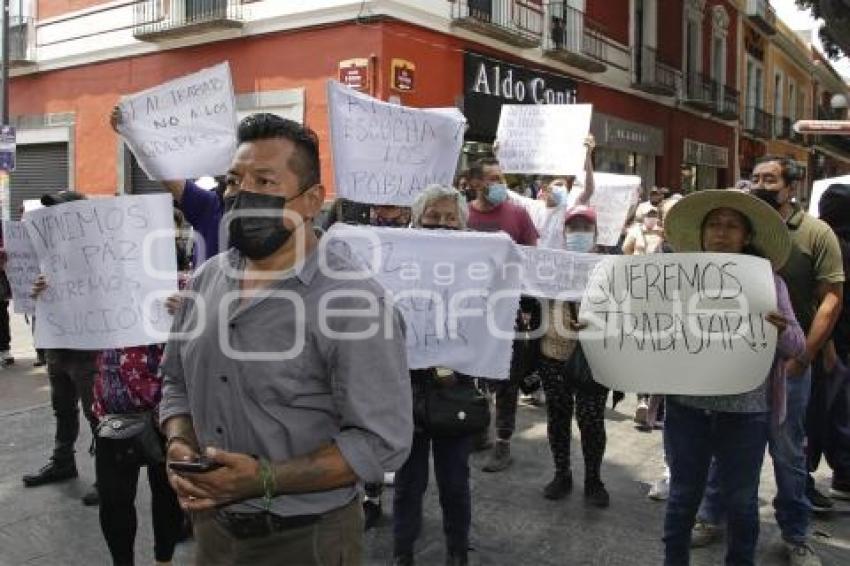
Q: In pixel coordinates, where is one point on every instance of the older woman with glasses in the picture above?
(438, 207)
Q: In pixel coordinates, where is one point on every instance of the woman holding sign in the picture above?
(439, 394)
(732, 429)
(568, 381)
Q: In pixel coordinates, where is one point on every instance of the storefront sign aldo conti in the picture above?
(488, 84)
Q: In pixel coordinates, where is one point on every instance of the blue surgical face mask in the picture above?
(559, 195)
(497, 193)
(581, 242)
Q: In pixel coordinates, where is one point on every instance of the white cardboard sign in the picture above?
(458, 304)
(556, 274)
(612, 198)
(819, 187)
(185, 128)
(21, 265)
(387, 154)
(110, 264)
(543, 139)
(687, 324)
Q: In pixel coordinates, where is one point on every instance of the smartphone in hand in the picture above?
(199, 466)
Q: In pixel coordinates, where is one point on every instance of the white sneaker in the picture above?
(389, 478)
(642, 414)
(802, 555)
(660, 490)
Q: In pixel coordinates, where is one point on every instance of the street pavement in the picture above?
(512, 523)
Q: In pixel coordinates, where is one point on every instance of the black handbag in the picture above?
(451, 407)
(138, 427)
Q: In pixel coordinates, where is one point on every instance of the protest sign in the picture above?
(185, 128)
(110, 264)
(612, 198)
(21, 265)
(543, 139)
(689, 324)
(457, 297)
(556, 274)
(819, 187)
(387, 154)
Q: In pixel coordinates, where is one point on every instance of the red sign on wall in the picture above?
(403, 75)
(354, 73)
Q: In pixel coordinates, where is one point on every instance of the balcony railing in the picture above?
(160, 19)
(782, 128)
(758, 122)
(761, 13)
(571, 40)
(650, 75)
(727, 103)
(517, 22)
(700, 91)
(21, 41)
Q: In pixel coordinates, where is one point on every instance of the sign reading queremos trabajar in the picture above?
(488, 84)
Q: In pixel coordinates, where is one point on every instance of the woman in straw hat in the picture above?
(733, 429)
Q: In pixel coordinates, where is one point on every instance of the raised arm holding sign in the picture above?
(543, 139)
(185, 128)
(387, 154)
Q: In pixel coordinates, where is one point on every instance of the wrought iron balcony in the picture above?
(782, 128)
(761, 13)
(650, 75)
(154, 20)
(727, 104)
(21, 41)
(700, 91)
(758, 122)
(517, 22)
(571, 40)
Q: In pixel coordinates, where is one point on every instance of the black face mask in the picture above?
(770, 197)
(470, 195)
(258, 237)
(437, 227)
(229, 201)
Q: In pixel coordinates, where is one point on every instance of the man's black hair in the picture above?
(305, 160)
(790, 171)
(476, 170)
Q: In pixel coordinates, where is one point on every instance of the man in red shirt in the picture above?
(491, 212)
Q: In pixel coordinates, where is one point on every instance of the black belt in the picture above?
(252, 525)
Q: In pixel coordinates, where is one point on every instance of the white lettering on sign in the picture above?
(503, 85)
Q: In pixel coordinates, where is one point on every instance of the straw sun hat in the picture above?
(683, 223)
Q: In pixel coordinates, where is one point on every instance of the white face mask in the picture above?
(650, 223)
(582, 242)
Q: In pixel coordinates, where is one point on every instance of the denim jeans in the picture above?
(72, 374)
(736, 441)
(792, 507)
(451, 466)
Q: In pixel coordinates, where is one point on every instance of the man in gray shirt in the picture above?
(286, 373)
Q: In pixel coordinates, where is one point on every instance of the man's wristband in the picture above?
(177, 438)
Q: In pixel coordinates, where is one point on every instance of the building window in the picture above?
(778, 106)
(694, 13)
(755, 91)
(793, 109)
(719, 49)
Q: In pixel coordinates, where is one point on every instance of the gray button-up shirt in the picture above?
(352, 392)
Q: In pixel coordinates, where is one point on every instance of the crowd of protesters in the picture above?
(262, 459)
